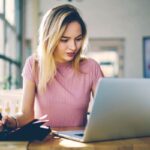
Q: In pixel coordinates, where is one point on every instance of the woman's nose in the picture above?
(72, 45)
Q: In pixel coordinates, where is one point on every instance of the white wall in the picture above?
(32, 21)
(128, 19)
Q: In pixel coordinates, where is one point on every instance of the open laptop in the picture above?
(121, 109)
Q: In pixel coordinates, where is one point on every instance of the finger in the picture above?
(1, 128)
(43, 117)
(1, 123)
(5, 120)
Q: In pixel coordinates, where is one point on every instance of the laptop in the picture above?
(121, 109)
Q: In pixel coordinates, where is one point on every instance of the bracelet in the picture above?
(16, 121)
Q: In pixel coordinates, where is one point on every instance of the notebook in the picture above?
(121, 110)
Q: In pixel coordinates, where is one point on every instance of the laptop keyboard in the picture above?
(79, 134)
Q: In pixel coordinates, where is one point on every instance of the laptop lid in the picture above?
(121, 110)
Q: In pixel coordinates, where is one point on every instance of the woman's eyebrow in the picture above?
(79, 36)
(69, 37)
(65, 37)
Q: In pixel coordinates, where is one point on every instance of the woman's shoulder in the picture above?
(32, 59)
(31, 67)
(88, 65)
(88, 62)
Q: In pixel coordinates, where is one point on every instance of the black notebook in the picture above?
(34, 130)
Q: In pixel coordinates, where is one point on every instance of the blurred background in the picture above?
(118, 30)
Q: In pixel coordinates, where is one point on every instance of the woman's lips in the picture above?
(70, 54)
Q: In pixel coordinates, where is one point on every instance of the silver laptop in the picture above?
(121, 109)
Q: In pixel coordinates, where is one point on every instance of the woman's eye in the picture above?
(79, 39)
(64, 40)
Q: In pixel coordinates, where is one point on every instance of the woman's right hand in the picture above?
(8, 122)
(1, 125)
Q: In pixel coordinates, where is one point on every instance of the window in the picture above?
(1, 37)
(10, 44)
(1, 6)
(109, 54)
(11, 41)
(10, 11)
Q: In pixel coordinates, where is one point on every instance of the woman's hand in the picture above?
(1, 125)
(8, 122)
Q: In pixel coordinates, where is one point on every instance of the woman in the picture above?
(58, 81)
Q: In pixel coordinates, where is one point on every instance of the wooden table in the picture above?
(56, 143)
(13, 145)
(63, 144)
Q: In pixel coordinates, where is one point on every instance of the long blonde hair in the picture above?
(52, 27)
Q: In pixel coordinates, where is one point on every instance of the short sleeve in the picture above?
(96, 73)
(27, 72)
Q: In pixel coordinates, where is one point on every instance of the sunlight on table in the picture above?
(69, 143)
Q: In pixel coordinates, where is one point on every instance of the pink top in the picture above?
(67, 97)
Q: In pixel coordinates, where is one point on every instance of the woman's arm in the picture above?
(27, 110)
(93, 91)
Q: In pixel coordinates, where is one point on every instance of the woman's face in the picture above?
(69, 44)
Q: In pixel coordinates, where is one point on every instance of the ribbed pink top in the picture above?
(67, 97)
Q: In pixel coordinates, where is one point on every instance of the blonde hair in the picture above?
(52, 27)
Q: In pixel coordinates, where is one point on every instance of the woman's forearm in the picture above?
(24, 118)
